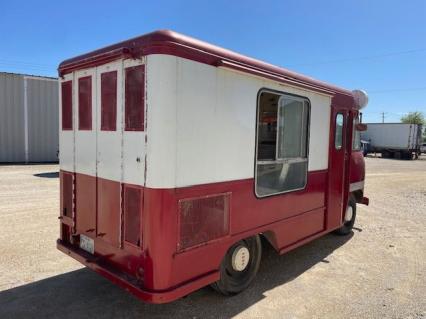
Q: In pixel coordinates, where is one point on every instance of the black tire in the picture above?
(347, 226)
(231, 281)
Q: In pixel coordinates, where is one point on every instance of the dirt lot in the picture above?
(377, 272)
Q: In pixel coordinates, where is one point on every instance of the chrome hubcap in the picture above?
(349, 214)
(240, 258)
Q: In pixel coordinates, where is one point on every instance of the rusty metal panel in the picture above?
(203, 219)
(12, 130)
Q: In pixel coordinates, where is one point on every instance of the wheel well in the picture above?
(270, 238)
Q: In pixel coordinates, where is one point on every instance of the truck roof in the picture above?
(173, 43)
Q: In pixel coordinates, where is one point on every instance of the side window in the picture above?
(109, 101)
(85, 103)
(66, 91)
(356, 137)
(134, 98)
(282, 143)
(338, 135)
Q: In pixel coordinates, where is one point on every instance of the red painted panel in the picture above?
(66, 90)
(357, 166)
(134, 98)
(108, 222)
(164, 268)
(132, 214)
(203, 219)
(85, 103)
(248, 215)
(85, 204)
(299, 227)
(66, 198)
(109, 101)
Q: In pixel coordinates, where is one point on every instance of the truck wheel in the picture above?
(239, 266)
(349, 219)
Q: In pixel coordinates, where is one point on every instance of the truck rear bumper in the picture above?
(131, 284)
(365, 201)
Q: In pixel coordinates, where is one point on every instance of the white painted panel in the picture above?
(319, 131)
(215, 124)
(85, 141)
(66, 138)
(202, 123)
(109, 142)
(161, 119)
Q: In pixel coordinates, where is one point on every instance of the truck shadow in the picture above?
(48, 175)
(84, 294)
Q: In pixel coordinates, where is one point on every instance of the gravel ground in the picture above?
(377, 272)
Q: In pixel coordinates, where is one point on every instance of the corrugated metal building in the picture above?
(29, 118)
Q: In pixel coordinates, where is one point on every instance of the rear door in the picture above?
(109, 149)
(85, 151)
(338, 166)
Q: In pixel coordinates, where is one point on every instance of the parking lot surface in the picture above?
(379, 271)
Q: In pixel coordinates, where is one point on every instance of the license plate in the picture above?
(87, 244)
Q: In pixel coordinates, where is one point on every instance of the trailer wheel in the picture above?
(239, 266)
(349, 218)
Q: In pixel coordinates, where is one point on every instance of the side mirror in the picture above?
(361, 127)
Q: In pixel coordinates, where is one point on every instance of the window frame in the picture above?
(355, 132)
(68, 115)
(281, 161)
(126, 108)
(104, 127)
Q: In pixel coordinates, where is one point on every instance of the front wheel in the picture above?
(349, 218)
(239, 266)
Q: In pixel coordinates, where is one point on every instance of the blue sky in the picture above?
(376, 45)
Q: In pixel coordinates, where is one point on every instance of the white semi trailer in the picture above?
(394, 140)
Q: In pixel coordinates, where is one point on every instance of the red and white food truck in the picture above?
(176, 156)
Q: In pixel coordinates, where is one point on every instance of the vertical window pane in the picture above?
(356, 138)
(338, 137)
(109, 101)
(291, 129)
(134, 98)
(85, 103)
(66, 88)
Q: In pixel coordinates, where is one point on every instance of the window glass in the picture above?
(338, 137)
(134, 98)
(66, 88)
(85, 103)
(282, 143)
(109, 101)
(356, 137)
